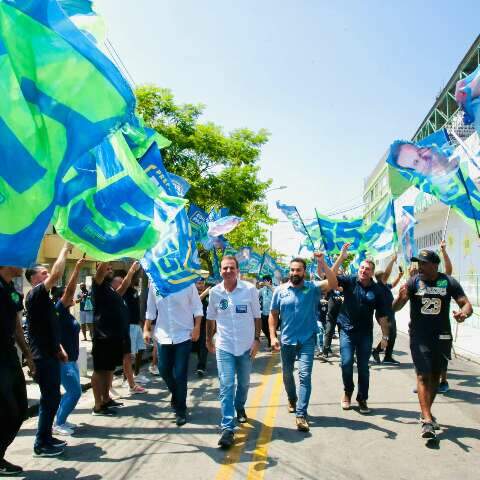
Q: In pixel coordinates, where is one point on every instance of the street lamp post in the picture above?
(281, 187)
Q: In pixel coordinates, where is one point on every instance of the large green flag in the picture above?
(59, 98)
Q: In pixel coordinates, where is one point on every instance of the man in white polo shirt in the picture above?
(174, 331)
(234, 314)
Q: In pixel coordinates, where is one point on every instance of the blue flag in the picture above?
(407, 229)
(467, 95)
(173, 263)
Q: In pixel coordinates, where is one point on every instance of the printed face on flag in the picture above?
(427, 161)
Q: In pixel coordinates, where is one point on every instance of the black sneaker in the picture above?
(113, 404)
(8, 469)
(391, 361)
(242, 416)
(201, 372)
(436, 425)
(376, 356)
(56, 442)
(226, 439)
(47, 451)
(103, 412)
(428, 431)
(180, 419)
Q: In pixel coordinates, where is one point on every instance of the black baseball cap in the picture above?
(426, 256)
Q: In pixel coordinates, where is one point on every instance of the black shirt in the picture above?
(111, 315)
(430, 305)
(132, 299)
(359, 303)
(10, 305)
(85, 298)
(42, 322)
(386, 289)
(69, 331)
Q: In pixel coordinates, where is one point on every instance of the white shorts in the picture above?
(86, 317)
(136, 339)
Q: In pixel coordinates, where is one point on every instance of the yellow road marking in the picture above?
(260, 459)
(227, 470)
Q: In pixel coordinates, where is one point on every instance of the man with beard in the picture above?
(430, 293)
(13, 392)
(297, 304)
(111, 319)
(362, 297)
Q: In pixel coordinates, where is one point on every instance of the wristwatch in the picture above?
(385, 338)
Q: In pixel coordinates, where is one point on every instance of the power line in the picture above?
(121, 66)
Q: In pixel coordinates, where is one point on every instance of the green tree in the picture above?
(222, 168)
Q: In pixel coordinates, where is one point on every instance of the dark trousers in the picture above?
(13, 400)
(358, 344)
(266, 329)
(392, 336)
(332, 314)
(200, 347)
(173, 366)
(48, 378)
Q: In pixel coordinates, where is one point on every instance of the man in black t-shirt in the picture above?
(430, 293)
(13, 392)
(111, 320)
(47, 351)
(362, 297)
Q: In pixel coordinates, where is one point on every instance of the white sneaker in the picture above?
(70, 425)
(141, 379)
(125, 384)
(114, 394)
(62, 430)
(153, 369)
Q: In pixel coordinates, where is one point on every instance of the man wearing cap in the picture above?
(430, 293)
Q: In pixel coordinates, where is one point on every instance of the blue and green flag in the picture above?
(61, 97)
(448, 172)
(407, 233)
(335, 232)
(467, 95)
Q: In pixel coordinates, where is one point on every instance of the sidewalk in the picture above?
(466, 335)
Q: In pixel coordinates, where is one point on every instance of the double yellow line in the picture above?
(257, 466)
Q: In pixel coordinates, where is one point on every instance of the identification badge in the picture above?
(444, 337)
(241, 308)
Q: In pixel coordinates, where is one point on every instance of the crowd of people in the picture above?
(298, 319)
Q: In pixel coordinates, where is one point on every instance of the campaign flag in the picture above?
(291, 212)
(467, 95)
(85, 18)
(448, 172)
(173, 263)
(335, 232)
(379, 238)
(243, 257)
(199, 221)
(407, 233)
(223, 225)
(61, 97)
(108, 207)
(254, 263)
(230, 251)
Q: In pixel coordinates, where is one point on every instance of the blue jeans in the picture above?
(320, 334)
(359, 343)
(232, 399)
(47, 376)
(173, 367)
(70, 378)
(304, 353)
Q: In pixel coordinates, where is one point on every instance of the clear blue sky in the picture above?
(333, 81)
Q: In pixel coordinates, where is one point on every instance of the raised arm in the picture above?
(331, 279)
(67, 297)
(398, 278)
(402, 298)
(101, 272)
(127, 281)
(446, 259)
(341, 257)
(388, 268)
(58, 267)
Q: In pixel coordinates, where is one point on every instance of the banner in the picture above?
(61, 97)
(467, 95)
(407, 229)
(449, 173)
(298, 224)
(335, 232)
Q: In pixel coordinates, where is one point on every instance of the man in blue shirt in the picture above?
(362, 296)
(297, 303)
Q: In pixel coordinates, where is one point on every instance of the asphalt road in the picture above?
(143, 442)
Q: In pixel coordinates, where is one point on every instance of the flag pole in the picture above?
(305, 228)
(444, 233)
